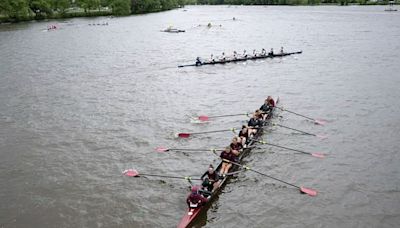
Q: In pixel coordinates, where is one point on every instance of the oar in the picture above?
(207, 118)
(304, 132)
(135, 173)
(187, 135)
(307, 191)
(316, 121)
(187, 65)
(164, 149)
(317, 155)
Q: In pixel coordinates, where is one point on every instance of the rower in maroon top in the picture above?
(243, 134)
(236, 148)
(226, 157)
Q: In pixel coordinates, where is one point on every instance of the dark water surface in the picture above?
(83, 103)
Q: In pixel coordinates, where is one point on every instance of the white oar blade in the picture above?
(318, 155)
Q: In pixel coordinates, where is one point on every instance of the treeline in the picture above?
(288, 2)
(17, 10)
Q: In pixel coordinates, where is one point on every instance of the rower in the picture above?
(195, 199)
(198, 62)
(226, 156)
(254, 123)
(254, 53)
(212, 58)
(234, 55)
(209, 25)
(271, 52)
(223, 57)
(243, 134)
(265, 108)
(271, 101)
(210, 179)
(236, 148)
(281, 50)
(263, 52)
(244, 54)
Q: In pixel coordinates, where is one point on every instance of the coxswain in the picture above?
(198, 62)
(210, 179)
(243, 134)
(271, 52)
(226, 157)
(195, 199)
(281, 50)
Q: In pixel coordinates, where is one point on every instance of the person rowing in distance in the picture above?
(210, 179)
(195, 199)
(234, 55)
(263, 52)
(226, 157)
(266, 107)
(282, 51)
(198, 62)
(212, 58)
(254, 53)
(244, 54)
(222, 58)
(271, 52)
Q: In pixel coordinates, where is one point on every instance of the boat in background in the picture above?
(391, 7)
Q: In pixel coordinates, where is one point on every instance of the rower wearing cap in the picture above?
(210, 179)
(226, 157)
(195, 199)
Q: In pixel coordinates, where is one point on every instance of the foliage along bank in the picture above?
(22, 10)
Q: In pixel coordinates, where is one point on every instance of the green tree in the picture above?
(61, 5)
(121, 7)
(15, 9)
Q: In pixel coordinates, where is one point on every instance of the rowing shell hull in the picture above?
(188, 218)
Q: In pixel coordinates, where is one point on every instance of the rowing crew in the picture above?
(236, 56)
(211, 179)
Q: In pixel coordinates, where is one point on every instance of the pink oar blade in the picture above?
(184, 135)
(318, 155)
(161, 149)
(204, 118)
(131, 173)
(320, 122)
(308, 191)
(322, 136)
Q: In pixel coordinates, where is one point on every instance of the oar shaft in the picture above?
(296, 113)
(241, 114)
(184, 149)
(166, 176)
(295, 130)
(205, 132)
(247, 168)
(287, 148)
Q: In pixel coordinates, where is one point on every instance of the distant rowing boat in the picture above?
(192, 213)
(250, 57)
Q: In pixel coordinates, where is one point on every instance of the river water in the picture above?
(80, 104)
